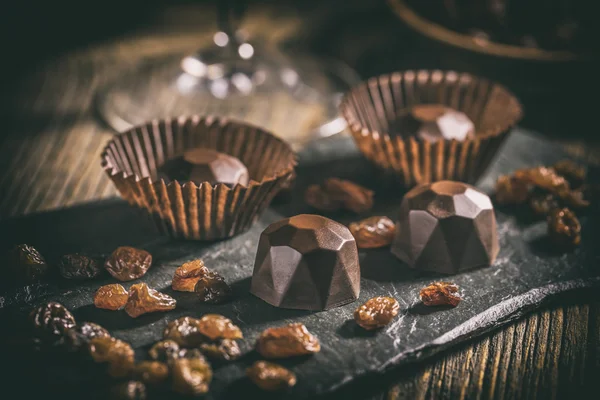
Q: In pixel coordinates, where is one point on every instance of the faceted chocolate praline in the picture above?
(205, 165)
(446, 227)
(306, 262)
(433, 122)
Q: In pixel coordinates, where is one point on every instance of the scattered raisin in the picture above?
(543, 204)
(26, 263)
(373, 232)
(352, 196)
(118, 354)
(510, 190)
(151, 372)
(215, 326)
(51, 322)
(564, 228)
(271, 377)
(187, 275)
(185, 331)
(81, 335)
(336, 193)
(287, 341)
(77, 266)
(440, 294)
(128, 263)
(574, 173)
(144, 300)
(130, 390)
(190, 353)
(111, 297)
(212, 288)
(223, 350)
(376, 312)
(191, 376)
(165, 351)
(315, 196)
(543, 177)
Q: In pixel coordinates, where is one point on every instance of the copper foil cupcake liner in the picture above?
(372, 106)
(186, 210)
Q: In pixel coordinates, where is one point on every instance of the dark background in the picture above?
(559, 98)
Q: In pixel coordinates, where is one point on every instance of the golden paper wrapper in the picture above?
(372, 106)
(186, 210)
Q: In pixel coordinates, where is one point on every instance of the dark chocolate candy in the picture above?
(446, 227)
(433, 122)
(205, 165)
(306, 262)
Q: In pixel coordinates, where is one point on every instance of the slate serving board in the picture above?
(526, 273)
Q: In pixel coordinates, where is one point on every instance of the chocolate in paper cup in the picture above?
(206, 211)
(372, 106)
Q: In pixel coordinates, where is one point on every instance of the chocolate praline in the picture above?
(446, 227)
(433, 122)
(205, 165)
(306, 262)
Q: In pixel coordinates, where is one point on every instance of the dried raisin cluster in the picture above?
(139, 300)
(213, 335)
(550, 192)
(187, 275)
(335, 194)
(128, 263)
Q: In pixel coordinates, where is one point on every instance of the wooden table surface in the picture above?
(49, 158)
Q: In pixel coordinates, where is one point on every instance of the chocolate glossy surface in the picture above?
(205, 165)
(446, 227)
(306, 262)
(433, 122)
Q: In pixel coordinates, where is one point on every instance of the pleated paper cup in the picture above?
(371, 107)
(186, 210)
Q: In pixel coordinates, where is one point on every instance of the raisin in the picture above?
(117, 354)
(511, 191)
(165, 351)
(376, 312)
(574, 173)
(144, 300)
(564, 228)
(111, 297)
(185, 331)
(440, 294)
(212, 288)
(191, 376)
(215, 326)
(353, 197)
(336, 193)
(187, 275)
(151, 372)
(373, 232)
(271, 377)
(543, 177)
(221, 350)
(315, 196)
(190, 353)
(51, 322)
(81, 335)
(128, 263)
(543, 204)
(130, 390)
(287, 341)
(77, 266)
(26, 263)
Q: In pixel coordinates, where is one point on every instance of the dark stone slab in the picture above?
(525, 274)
